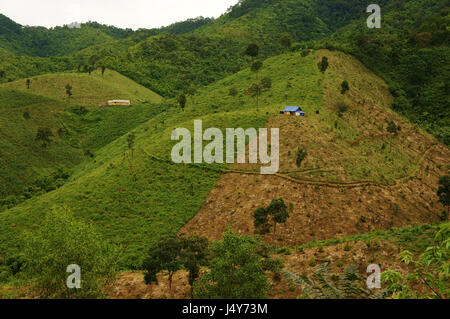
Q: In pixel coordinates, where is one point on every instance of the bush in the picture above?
(60, 241)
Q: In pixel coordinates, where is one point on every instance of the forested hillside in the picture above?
(58, 41)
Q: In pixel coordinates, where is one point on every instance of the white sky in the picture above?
(121, 13)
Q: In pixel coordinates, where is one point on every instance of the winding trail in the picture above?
(284, 175)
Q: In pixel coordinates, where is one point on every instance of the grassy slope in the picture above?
(88, 90)
(135, 200)
(24, 160)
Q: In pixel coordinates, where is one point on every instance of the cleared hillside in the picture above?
(357, 177)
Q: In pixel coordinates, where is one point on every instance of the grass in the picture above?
(88, 90)
(134, 200)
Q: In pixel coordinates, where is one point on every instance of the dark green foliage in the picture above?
(237, 270)
(261, 220)
(344, 87)
(69, 91)
(171, 254)
(444, 191)
(301, 155)
(277, 211)
(266, 83)
(163, 256)
(182, 100)
(43, 135)
(233, 91)
(58, 41)
(286, 41)
(252, 50)
(323, 64)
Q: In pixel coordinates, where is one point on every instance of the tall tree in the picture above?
(286, 41)
(252, 51)
(323, 64)
(182, 100)
(237, 269)
(68, 91)
(165, 255)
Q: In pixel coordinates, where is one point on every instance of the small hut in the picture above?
(294, 110)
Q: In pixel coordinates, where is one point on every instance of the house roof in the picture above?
(292, 109)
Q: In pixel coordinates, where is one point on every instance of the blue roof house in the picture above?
(294, 110)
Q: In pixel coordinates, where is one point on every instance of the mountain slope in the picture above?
(87, 90)
(43, 42)
(78, 129)
(135, 197)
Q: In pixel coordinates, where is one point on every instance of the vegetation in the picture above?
(237, 270)
(322, 284)
(277, 211)
(431, 270)
(60, 241)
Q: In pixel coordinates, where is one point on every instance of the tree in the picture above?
(182, 100)
(255, 91)
(44, 134)
(266, 83)
(261, 222)
(172, 254)
(233, 92)
(252, 51)
(430, 271)
(191, 91)
(301, 155)
(194, 253)
(286, 41)
(165, 255)
(344, 87)
(444, 191)
(68, 92)
(60, 241)
(256, 66)
(323, 65)
(237, 269)
(279, 212)
(28, 83)
(130, 140)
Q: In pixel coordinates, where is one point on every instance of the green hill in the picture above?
(78, 129)
(88, 90)
(58, 41)
(135, 197)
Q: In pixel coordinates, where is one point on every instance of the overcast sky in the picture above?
(121, 13)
